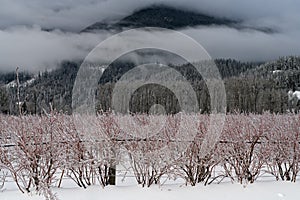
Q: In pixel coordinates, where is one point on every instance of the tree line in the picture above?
(250, 88)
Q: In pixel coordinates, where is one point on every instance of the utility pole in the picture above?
(18, 91)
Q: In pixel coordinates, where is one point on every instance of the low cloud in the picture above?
(224, 42)
(25, 43)
(34, 49)
(75, 15)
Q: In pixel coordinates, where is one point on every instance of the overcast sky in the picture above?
(24, 43)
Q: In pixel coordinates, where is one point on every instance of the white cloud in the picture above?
(223, 42)
(34, 49)
(24, 44)
(77, 14)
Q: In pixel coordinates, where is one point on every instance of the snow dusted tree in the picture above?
(244, 154)
(9, 156)
(38, 151)
(148, 139)
(192, 165)
(93, 150)
(39, 148)
(32, 153)
(283, 143)
(106, 149)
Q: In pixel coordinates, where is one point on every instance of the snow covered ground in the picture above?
(265, 189)
(260, 190)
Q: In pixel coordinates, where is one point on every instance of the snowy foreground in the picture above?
(259, 190)
(251, 148)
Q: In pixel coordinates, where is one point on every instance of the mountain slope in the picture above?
(171, 18)
(284, 71)
(249, 88)
(161, 16)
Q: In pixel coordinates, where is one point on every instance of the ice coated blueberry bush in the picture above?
(38, 151)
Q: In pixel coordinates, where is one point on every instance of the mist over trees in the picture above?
(250, 87)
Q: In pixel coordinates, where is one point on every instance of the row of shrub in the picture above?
(39, 151)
